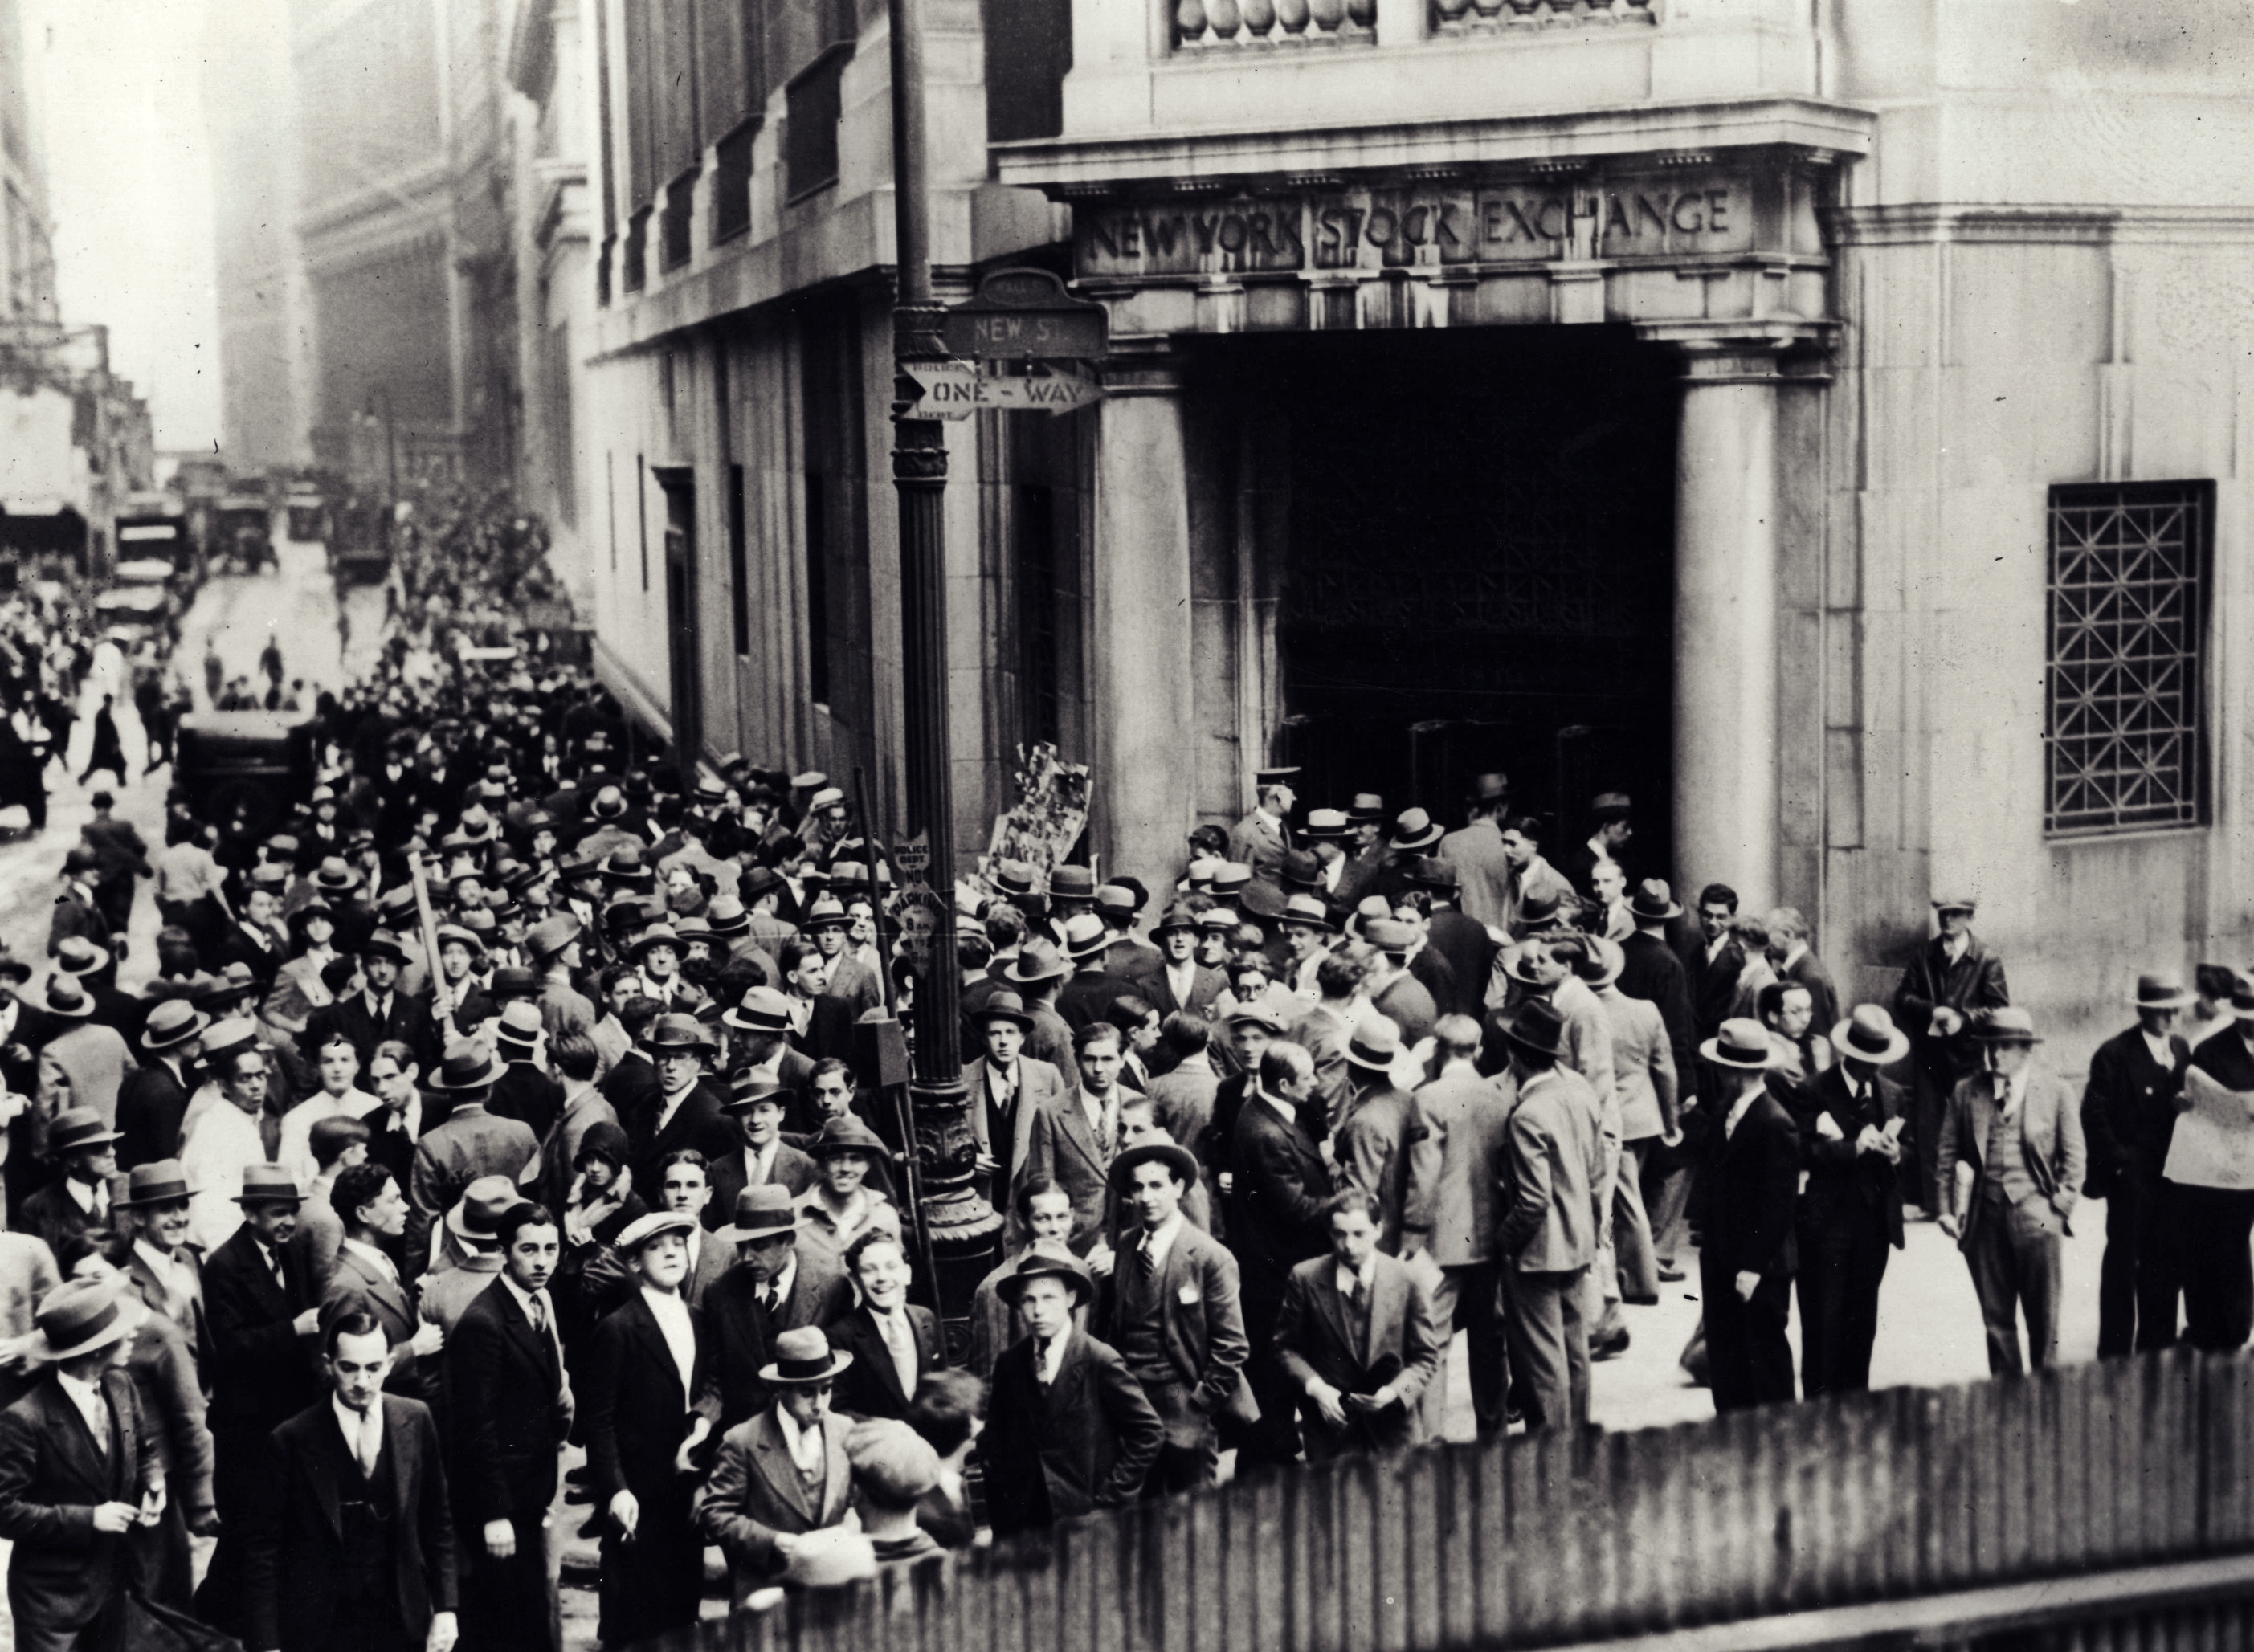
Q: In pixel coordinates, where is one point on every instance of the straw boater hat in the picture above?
(75, 955)
(1308, 912)
(335, 876)
(1374, 1044)
(1870, 1034)
(1086, 937)
(803, 1358)
(83, 1316)
(66, 1000)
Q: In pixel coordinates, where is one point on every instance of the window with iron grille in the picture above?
(2126, 715)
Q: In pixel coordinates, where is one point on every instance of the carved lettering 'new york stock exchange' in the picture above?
(1671, 217)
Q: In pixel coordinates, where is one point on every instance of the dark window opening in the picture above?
(2126, 732)
(636, 274)
(731, 183)
(674, 223)
(818, 590)
(810, 136)
(1028, 51)
(739, 573)
(602, 262)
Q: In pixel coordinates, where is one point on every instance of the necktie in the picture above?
(539, 1316)
(100, 1422)
(1149, 1256)
(371, 1440)
(101, 1202)
(903, 1352)
(1041, 1369)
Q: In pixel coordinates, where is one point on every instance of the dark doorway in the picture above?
(1479, 569)
(680, 485)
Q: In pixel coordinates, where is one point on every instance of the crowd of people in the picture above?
(497, 1097)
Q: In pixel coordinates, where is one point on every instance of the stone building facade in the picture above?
(1820, 422)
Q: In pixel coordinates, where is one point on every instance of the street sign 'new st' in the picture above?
(1018, 314)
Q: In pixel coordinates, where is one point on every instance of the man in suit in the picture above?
(781, 1473)
(378, 1013)
(78, 911)
(1651, 969)
(1172, 1312)
(1088, 996)
(772, 1288)
(690, 1112)
(1392, 991)
(1546, 1239)
(512, 1408)
(2128, 1121)
(367, 1202)
(1952, 980)
(1374, 1144)
(1751, 1187)
(78, 1198)
(1482, 868)
(685, 1185)
(1279, 1187)
(1184, 1094)
(1008, 1087)
(470, 1142)
(894, 1343)
(79, 1471)
(644, 1390)
(2010, 1166)
(1611, 827)
(1075, 1134)
(1261, 839)
(630, 1086)
(163, 1269)
(1181, 983)
(525, 1092)
(1357, 1335)
(1850, 1214)
(1794, 960)
(1069, 1429)
(154, 1097)
(755, 1108)
(1455, 936)
(1451, 1210)
(351, 1545)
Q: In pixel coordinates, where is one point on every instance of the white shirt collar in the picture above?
(167, 1268)
(356, 1426)
(1290, 1110)
(88, 1398)
(1714, 947)
(806, 1446)
(680, 1335)
(2163, 1048)
(375, 1258)
(524, 1300)
(1365, 1275)
(1048, 1360)
(85, 1195)
(1160, 1240)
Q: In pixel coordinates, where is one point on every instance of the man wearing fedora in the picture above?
(259, 1303)
(1278, 1183)
(469, 1254)
(758, 1031)
(1953, 979)
(2207, 1192)
(1546, 1238)
(1085, 999)
(1850, 1212)
(1382, 1132)
(553, 946)
(91, 1056)
(1042, 1211)
(79, 1473)
(774, 1288)
(2010, 1163)
(1356, 1334)
(351, 1545)
(849, 1199)
(469, 1142)
(84, 1150)
(1171, 1309)
(1751, 1187)
(756, 1107)
(1392, 991)
(525, 1091)
(77, 912)
(690, 1111)
(379, 1012)
(1007, 1089)
(1069, 1429)
(1181, 983)
(153, 1100)
(512, 1408)
(1261, 839)
(1482, 870)
(2128, 1120)
(163, 1269)
(644, 1394)
(782, 1473)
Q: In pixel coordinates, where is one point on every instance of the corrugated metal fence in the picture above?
(1553, 1539)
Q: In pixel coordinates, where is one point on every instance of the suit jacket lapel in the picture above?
(403, 1474)
(327, 1462)
(1333, 1307)
(1386, 1299)
(775, 1466)
(1071, 1113)
(67, 1423)
(838, 1480)
(653, 1337)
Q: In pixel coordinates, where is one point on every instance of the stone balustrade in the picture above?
(1209, 25)
(1461, 18)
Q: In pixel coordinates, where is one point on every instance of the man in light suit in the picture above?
(350, 1547)
(1262, 838)
(2010, 1166)
(1450, 1213)
(757, 1106)
(1007, 1087)
(1069, 1427)
(1373, 1145)
(78, 1473)
(1075, 1135)
(1483, 870)
(783, 1473)
(1170, 1309)
(1356, 1334)
(1547, 1239)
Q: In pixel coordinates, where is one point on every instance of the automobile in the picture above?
(242, 528)
(359, 543)
(309, 518)
(247, 761)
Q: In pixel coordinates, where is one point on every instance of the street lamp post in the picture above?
(958, 1223)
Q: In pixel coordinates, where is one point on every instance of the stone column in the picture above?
(1725, 619)
(1140, 713)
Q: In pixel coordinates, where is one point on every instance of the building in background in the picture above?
(1804, 419)
(265, 329)
(74, 439)
(404, 232)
